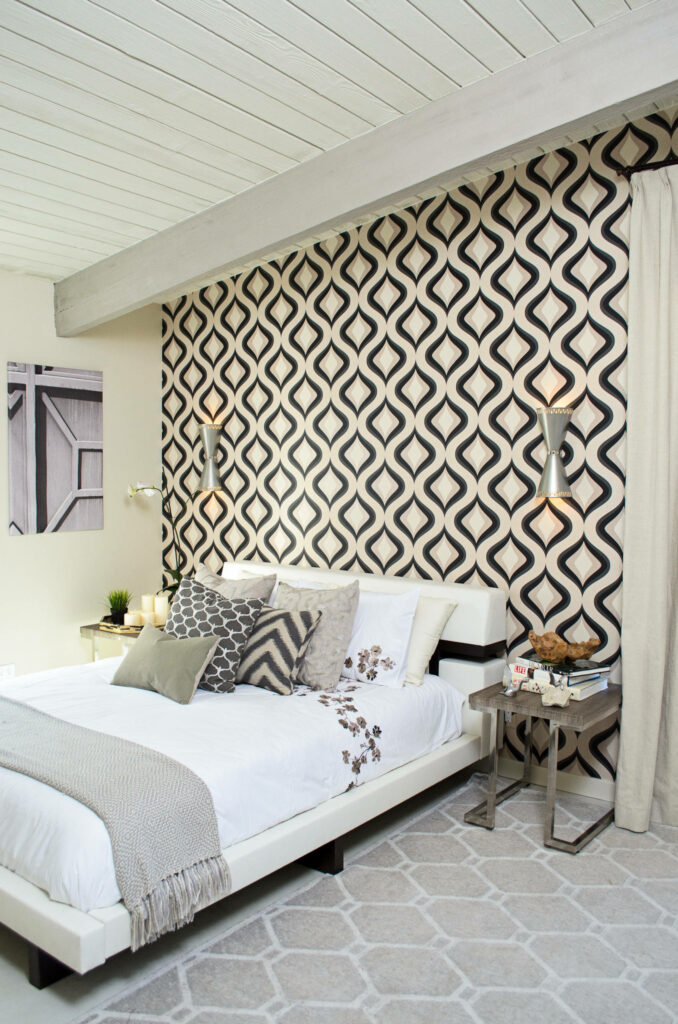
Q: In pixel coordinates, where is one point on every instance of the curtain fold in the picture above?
(647, 775)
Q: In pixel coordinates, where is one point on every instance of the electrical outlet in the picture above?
(6, 671)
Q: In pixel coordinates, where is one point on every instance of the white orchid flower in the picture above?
(148, 489)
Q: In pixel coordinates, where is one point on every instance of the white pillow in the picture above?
(429, 622)
(377, 651)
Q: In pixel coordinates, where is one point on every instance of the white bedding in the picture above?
(264, 758)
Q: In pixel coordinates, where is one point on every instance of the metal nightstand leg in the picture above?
(566, 845)
(483, 814)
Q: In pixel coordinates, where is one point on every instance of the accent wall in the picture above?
(378, 392)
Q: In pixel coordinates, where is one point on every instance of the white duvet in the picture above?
(264, 758)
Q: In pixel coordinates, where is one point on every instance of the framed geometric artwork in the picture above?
(55, 449)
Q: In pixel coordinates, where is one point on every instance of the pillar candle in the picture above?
(148, 618)
(161, 606)
(148, 602)
(132, 618)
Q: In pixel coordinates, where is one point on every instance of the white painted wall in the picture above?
(52, 583)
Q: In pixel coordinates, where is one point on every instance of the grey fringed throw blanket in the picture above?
(159, 814)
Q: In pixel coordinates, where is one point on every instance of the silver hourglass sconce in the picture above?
(209, 478)
(553, 483)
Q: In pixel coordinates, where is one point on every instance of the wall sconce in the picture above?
(209, 478)
(553, 483)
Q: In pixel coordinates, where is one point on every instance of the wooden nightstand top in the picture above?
(95, 627)
(578, 715)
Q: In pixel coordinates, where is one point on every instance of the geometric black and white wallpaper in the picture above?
(378, 392)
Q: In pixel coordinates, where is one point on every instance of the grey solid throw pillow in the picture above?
(322, 663)
(165, 664)
(252, 588)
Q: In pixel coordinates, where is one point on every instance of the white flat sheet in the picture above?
(264, 758)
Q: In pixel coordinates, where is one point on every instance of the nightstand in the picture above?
(94, 631)
(578, 715)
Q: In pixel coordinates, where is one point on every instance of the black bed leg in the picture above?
(43, 969)
(328, 858)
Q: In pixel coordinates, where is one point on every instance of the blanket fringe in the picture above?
(175, 901)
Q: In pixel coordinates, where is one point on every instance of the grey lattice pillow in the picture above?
(275, 649)
(198, 611)
(324, 658)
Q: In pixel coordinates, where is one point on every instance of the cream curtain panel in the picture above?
(647, 780)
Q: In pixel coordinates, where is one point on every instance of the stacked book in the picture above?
(583, 678)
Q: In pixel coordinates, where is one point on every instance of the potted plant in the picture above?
(118, 602)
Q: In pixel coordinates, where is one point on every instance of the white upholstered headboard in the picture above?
(476, 630)
(479, 620)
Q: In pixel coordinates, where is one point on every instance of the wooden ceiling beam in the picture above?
(564, 90)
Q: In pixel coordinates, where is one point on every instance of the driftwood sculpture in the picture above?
(551, 647)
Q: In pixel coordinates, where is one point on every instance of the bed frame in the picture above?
(62, 939)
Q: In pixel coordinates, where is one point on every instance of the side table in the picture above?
(93, 631)
(578, 715)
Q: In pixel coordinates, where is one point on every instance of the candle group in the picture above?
(161, 609)
(154, 611)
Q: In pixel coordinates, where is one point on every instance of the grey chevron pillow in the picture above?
(198, 611)
(275, 649)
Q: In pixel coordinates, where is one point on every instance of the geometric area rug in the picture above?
(447, 923)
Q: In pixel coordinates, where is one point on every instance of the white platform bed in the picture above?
(82, 940)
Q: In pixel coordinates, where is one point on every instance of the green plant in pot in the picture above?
(118, 602)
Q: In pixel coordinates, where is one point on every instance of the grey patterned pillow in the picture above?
(324, 658)
(275, 648)
(198, 611)
(254, 587)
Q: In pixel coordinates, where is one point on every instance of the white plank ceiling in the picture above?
(123, 117)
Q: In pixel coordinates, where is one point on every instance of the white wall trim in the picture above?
(624, 63)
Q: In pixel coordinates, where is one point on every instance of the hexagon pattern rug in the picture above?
(445, 923)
